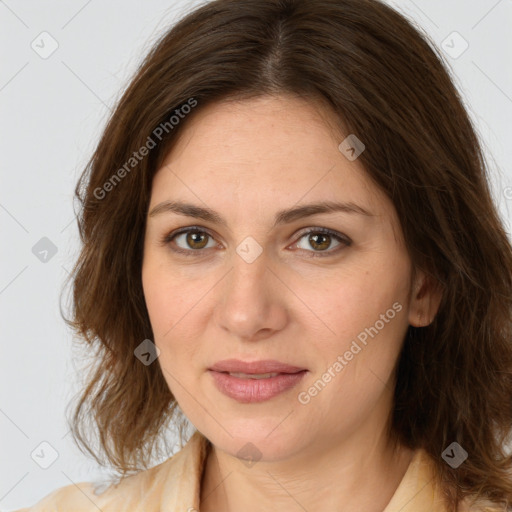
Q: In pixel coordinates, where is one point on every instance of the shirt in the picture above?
(175, 485)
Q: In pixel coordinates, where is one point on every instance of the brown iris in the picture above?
(194, 237)
(313, 240)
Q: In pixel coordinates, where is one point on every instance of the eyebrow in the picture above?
(282, 217)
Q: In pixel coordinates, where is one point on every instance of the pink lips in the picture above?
(248, 390)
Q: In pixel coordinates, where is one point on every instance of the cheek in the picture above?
(174, 309)
(347, 302)
(158, 303)
(164, 294)
(365, 311)
(165, 309)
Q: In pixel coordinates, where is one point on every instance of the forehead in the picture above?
(266, 152)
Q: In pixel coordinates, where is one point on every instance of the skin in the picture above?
(248, 160)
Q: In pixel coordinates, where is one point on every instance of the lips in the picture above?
(254, 367)
(255, 381)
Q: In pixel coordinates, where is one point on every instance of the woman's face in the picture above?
(252, 283)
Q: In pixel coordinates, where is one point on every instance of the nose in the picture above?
(251, 302)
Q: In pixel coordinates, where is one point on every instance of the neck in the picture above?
(361, 472)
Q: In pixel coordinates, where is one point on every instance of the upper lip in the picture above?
(256, 367)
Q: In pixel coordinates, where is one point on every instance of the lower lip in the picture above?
(255, 390)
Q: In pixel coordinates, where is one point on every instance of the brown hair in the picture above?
(388, 85)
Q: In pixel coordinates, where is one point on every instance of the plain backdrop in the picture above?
(63, 65)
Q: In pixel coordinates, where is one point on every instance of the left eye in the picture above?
(321, 240)
(195, 239)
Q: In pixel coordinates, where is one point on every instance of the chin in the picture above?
(257, 439)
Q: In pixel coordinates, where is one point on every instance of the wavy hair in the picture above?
(388, 84)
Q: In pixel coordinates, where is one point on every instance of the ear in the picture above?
(426, 296)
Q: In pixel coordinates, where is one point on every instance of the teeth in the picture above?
(253, 375)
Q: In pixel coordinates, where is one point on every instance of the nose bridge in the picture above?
(249, 303)
(247, 278)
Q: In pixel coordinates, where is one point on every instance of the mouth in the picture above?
(260, 380)
(254, 367)
(241, 375)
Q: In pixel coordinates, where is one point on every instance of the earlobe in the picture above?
(423, 322)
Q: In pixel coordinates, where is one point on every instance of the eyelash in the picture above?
(345, 241)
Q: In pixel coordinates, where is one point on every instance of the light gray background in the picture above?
(52, 113)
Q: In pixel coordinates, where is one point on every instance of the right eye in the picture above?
(188, 240)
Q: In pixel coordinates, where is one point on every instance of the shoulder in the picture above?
(144, 491)
(73, 495)
(94, 496)
(421, 490)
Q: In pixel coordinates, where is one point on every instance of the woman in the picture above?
(288, 236)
